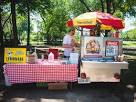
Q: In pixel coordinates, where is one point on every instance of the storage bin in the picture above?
(58, 86)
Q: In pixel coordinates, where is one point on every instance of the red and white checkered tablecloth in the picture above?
(29, 73)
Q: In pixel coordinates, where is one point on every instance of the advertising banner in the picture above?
(15, 55)
(93, 46)
(112, 48)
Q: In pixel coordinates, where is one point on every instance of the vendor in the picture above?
(92, 33)
(69, 42)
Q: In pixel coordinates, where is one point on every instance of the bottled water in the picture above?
(51, 57)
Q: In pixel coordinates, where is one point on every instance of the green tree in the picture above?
(77, 7)
(111, 6)
(1, 28)
(131, 34)
(27, 7)
(54, 21)
(22, 27)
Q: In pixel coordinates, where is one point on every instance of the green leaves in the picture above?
(129, 35)
(55, 14)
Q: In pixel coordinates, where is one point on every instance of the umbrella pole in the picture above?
(79, 60)
(98, 26)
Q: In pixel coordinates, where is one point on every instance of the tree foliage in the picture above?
(130, 35)
(55, 13)
(54, 21)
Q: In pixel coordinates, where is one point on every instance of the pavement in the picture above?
(79, 93)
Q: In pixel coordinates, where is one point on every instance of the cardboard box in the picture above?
(57, 86)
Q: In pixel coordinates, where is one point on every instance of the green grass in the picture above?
(129, 43)
(34, 43)
(125, 43)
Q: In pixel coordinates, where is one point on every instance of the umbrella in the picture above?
(91, 19)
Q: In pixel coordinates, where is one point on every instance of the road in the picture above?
(79, 93)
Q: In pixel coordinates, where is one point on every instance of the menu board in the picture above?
(112, 48)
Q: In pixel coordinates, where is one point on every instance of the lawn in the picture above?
(125, 43)
(129, 43)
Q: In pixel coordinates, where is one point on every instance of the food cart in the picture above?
(100, 63)
(101, 58)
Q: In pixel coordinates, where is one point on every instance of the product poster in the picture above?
(112, 48)
(93, 46)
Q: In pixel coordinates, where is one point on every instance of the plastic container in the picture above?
(32, 58)
(50, 57)
(74, 58)
(42, 57)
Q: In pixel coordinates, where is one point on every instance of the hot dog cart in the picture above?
(100, 59)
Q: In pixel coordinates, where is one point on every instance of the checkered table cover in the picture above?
(29, 73)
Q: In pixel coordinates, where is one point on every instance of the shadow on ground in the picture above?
(95, 92)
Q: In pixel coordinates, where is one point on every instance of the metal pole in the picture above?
(79, 61)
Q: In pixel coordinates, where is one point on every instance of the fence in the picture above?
(130, 50)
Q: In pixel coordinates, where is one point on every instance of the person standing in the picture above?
(69, 42)
(92, 33)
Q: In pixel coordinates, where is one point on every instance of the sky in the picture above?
(35, 21)
(128, 23)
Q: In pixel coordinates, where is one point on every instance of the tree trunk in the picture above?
(14, 26)
(48, 37)
(108, 2)
(102, 5)
(1, 43)
(28, 28)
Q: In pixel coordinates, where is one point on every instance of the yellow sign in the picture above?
(15, 55)
(78, 22)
